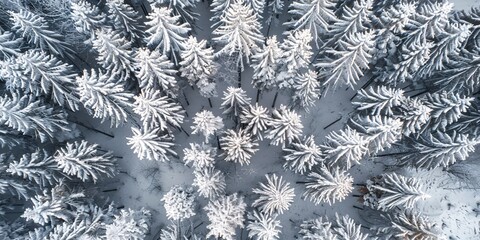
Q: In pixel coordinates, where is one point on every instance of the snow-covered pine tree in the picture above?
(258, 6)
(303, 155)
(447, 108)
(150, 144)
(344, 148)
(197, 61)
(296, 55)
(409, 225)
(58, 204)
(36, 31)
(104, 97)
(219, 8)
(37, 72)
(86, 17)
(235, 100)
(85, 161)
(306, 89)
(391, 190)
(201, 156)
(328, 185)
(381, 131)
(38, 167)
(239, 33)
(438, 149)
(256, 120)
(429, 22)
(31, 116)
(165, 33)
(129, 224)
(315, 15)
(265, 63)
(450, 43)
(263, 227)
(285, 126)
(379, 100)
(125, 18)
(238, 146)
(275, 196)
(225, 214)
(9, 44)
(415, 114)
(349, 62)
(317, 229)
(346, 228)
(114, 52)
(179, 203)
(184, 8)
(157, 111)
(206, 123)
(354, 19)
(8, 138)
(210, 182)
(154, 70)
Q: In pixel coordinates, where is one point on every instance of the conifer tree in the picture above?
(263, 227)
(36, 31)
(38, 167)
(238, 146)
(275, 196)
(150, 144)
(239, 33)
(446, 108)
(125, 18)
(201, 156)
(461, 74)
(257, 120)
(317, 228)
(415, 114)
(285, 126)
(328, 185)
(344, 148)
(235, 100)
(315, 15)
(210, 182)
(33, 117)
(265, 63)
(206, 123)
(346, 228)
(184, 8)
(379, 100)
(411, 225)
(179, 203)
(219, 9)
(9, 44)
(348, 64)
(303, 155)
(381, 131)
(353, 20)
(156, 110)
(85, 161)
(129, 224)
(225, 214)
(154, 70)
(306, 89)
(391, 190)
(86, 17)
(165, 33)
(197, 64)
(114, 52)
(438, 149)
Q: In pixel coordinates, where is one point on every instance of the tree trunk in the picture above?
(92, 129)
(258, 95)
(275, 99)
(210, 103)
(239, 76)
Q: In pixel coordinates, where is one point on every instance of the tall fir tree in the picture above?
(285, 126)
(154, 70)
(150, 144)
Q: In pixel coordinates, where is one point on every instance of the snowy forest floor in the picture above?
(143, 183)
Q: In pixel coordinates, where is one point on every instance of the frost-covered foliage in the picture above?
(256, 119)
(104, 96)
(37, 167)
(239, 32)
(275, 196)
(265, 64)
(201, 156)
(344, 148)
(296, 55)
(129, 224)
(285, 126)
(382, 132)
(165, 32)
(85, 161)
(86, 17)
(125, 18)
(238, 146)
(235, 100)
(303, 155)
(263, 227)
(306, 89)
(114, 52)
(391, 190)
(206, 123)
(157, 111)
(210, 182)
(328, 185)
(446, 108)
(179, 203)
(415, 114)
(197, 64)
(409, 225)
(354, 19)
(380, 100)
(154, 70)
(150, 144)
(341, 228)
(225, 214)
